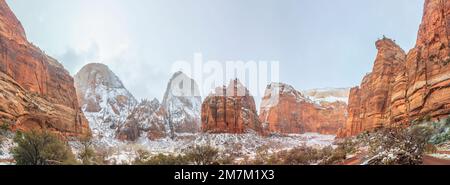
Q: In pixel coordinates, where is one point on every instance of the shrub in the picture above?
(202, 155)
(430, 148)
(262, 156)
(301, 155)
(399, 146)
(304, 155)
(144, 158)
(335, 157)
(348, 146)
(427, 118)
(87, 153)
(41, 148)
(226, 159)
(440, 138)
(5, 127)
(101, 157)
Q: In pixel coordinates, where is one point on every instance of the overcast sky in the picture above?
(319, 43)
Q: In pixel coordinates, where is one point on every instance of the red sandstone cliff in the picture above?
(35, 90)
(230, 110)
(285, 110)
(403, 88)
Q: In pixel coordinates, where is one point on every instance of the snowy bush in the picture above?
(442, 132)
(197, 155)
(87, 153)
(399, 146)
(302, 155)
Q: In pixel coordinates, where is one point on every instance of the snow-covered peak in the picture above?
(181, 85)
(182, 101)
(97, 74)
(104, 100)
(100, 90)
(276, 89)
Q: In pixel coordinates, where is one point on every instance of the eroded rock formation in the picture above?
(403, 88)
(285, 110)
(36, 90)
(149, 119)
(230, 109)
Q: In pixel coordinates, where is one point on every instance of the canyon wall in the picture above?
(285, 110)
(404, 88)
(36, 91)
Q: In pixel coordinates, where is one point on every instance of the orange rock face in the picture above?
(285, 110)
(427, 65)
(403, 88)
(369, 104)
(49, 98)
(230, 110)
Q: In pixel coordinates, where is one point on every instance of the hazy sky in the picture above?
(319, 43)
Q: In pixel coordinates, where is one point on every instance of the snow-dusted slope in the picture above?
(316, 96)
(329, 95)
(148, 119)
(182, 102)
(275, 90)
(104, 100)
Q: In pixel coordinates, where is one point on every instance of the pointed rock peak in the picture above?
(182, 104)
(10, 26)
(178, 73)
(386, 43)
(96, 74)
(98, 88)
(181, 85)
(236, 88)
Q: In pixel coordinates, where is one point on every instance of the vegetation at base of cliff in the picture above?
(144, 158)
(41, 148)
(197, 155)
(202, 155)
(441, 131)
(404, 146)
(302, 155)
(207, 155)
(5, 128)
(87, 154)
(398, 146)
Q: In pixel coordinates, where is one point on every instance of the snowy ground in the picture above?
(5, 147)
(242, 145)
(119, 152)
